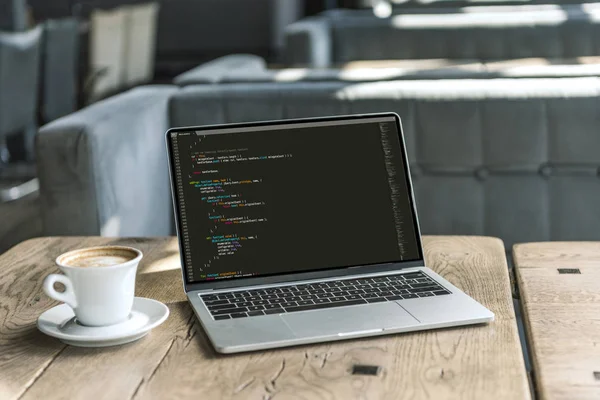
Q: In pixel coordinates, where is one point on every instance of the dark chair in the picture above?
(19, 76)
(60, 68)
(13, 15)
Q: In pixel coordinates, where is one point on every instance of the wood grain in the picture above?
(562, 316)
(177, 361)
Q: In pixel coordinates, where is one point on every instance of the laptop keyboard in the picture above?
(316, 296)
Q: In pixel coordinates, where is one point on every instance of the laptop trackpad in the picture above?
(349, 319)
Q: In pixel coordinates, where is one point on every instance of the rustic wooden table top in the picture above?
(176, 360)
(562, 316)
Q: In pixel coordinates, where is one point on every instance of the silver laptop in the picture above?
(304, 231)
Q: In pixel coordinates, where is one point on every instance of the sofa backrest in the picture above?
(482, 33)
(561, 32)
(489, 157)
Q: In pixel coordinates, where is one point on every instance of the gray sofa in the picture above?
(246, 68)
(13, 15)
(481, 33)
(517, 159)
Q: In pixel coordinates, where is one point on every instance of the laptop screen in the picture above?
(283, 197)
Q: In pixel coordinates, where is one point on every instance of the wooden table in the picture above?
(177, 361)
(559, 285)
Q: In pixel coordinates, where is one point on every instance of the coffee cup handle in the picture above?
(68, 296)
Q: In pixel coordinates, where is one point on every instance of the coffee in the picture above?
(99, 283)
(98, 257)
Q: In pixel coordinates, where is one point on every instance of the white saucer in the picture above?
(60, 322)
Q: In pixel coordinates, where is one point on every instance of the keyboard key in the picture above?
(426, 294)
(305, 302)
(260, 302)
(220, 306)
(385, 294)
(277, 301)
(210, 297)
(253, 298)
(413, 275)
(325, 305)
(255, 308)
(244, 304)
(376, 299)
(239, 315)
(275, 311)
(321, 301)
(272, 306)
(310, 297)
(216, 302)
(409, 296)
(337, 299)
(353, 297)
(229, 311)
(424, 289)
(218, 317)
(324, 295)
(380, 285)
(225, 296)
(352, 292)
(255, 313)
(342, 293)
(440, 292)
(392, 298)
(269, 296)
(293, 298)
(420, 285)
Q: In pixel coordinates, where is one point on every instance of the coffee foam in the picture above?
(98, 257)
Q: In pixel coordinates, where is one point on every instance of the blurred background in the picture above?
(499, 101)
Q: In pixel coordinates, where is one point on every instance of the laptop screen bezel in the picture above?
(332, 272)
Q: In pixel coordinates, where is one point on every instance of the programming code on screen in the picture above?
(292, 198)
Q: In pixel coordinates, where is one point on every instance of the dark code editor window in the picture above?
(292, 199)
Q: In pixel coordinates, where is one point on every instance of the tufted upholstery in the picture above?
(488, 33)
(492, 157)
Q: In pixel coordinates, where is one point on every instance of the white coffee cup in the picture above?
(99, 283)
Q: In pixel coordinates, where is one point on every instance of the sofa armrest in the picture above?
(217, 70)
(103, 170)
(308, 42)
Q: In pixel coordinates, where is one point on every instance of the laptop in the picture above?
(303, 231)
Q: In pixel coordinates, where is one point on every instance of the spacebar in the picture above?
(325, 305)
